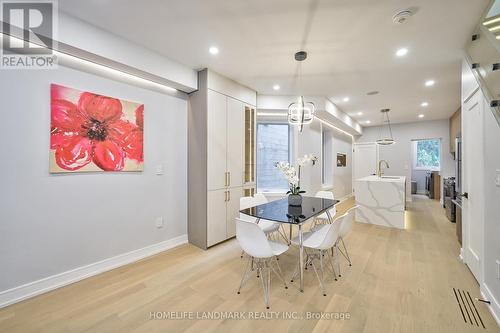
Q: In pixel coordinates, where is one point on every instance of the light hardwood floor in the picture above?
(400, 281)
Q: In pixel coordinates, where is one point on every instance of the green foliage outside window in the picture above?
(428, 154)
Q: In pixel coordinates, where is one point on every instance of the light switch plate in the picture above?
(498, 269)
(159, 222)
(497, 181)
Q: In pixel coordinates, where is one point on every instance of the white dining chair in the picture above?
(346, 227)
(262, 254)
(318, 244)
(323, 217)
(267, 226)
(260, 198)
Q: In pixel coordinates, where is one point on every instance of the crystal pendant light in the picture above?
(300, 112)
(385, 140)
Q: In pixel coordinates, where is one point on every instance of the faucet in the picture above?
(379, 171)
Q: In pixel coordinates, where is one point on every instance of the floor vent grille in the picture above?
(468, 308)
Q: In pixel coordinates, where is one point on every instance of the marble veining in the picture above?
(381, 201)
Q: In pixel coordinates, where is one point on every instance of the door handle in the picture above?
(464, 195)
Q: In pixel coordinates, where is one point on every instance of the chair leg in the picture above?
(336, 250)
(346, 254)
(313, 224)
(320, 278)
(246, 274)
(279, 273)
(296, 271)
(281, 232)
(265, 277)
(331, 264)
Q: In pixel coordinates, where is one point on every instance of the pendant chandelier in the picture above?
(387, 138)
(300, 112)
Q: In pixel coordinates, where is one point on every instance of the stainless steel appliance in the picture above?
(449, 196)
(458, 188)
(458, 165)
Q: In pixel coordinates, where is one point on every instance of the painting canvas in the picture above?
(341, 160)
(91, 132)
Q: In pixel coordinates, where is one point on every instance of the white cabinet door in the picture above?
(216, 141)
(235, 141)
(233, 210)
(472, 175)
(216, 217)
(365, 160)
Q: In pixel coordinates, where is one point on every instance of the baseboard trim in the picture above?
(47, 284)
(346, 197)
(494, 306)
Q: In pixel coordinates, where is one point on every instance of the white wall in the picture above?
(399, 155)
(309, 141)
(54, 223)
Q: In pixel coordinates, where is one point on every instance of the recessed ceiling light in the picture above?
(360, 113)
(402, 52)
(276, 87)
(424, 104)
(421, 115)
(213, 50)
(429, 83)
(368, 122)
(346, 99)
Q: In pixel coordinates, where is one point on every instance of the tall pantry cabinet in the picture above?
(221, 156)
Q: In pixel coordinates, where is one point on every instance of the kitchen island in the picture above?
(381, 200)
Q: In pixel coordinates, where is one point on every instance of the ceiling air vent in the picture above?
(402, 16)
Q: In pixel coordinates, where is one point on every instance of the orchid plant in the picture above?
(291, 173)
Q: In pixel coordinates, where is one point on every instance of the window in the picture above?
(427, 154)
(327, 158)
(273, 145)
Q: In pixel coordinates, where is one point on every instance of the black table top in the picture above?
(280, 211)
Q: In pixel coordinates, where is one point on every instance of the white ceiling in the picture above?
(351, 46)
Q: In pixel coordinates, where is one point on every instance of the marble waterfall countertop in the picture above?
(391, 179)
(381, 200)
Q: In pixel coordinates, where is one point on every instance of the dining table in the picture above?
(280, 211)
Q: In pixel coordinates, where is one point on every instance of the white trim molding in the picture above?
(47, 284)
(494, 306)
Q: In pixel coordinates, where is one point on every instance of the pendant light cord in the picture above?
(389, 124)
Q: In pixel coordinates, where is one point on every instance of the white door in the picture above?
(472, 167)
(365, 159)
(216, 216)
(235, 142)
(216, 137)
(233, 210)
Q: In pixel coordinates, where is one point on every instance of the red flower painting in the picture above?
(91, 132)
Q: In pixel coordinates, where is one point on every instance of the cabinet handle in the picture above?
(225, 196)
(225, 178)
(229, 179)
(228, 195)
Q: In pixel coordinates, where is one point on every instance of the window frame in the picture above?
(415, 155)
(290, 154)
